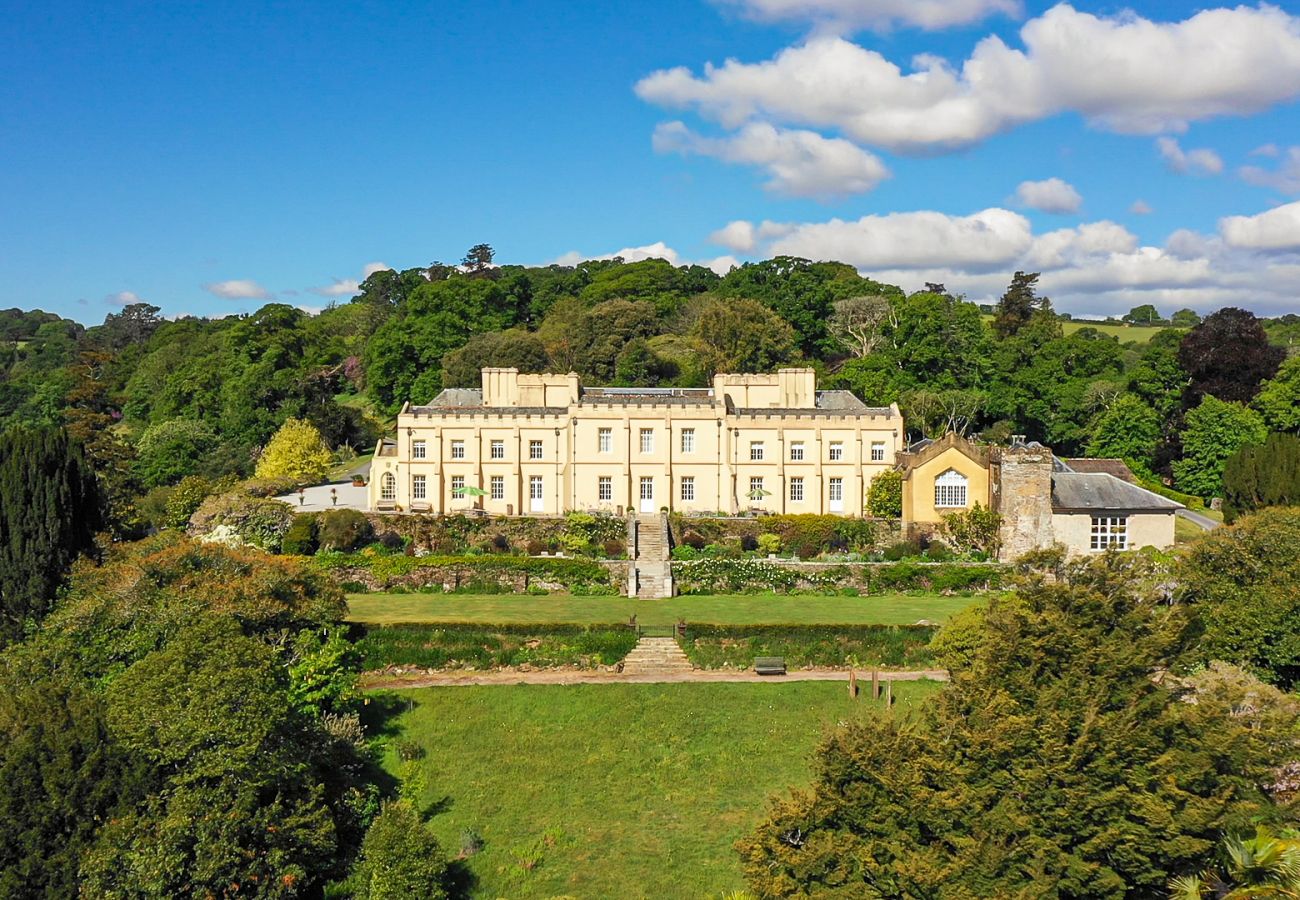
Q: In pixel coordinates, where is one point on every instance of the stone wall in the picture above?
(1022, 487)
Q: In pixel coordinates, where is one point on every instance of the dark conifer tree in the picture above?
(1017, 305)
(1257, 476)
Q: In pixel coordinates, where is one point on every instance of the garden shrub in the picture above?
(885, 495)
(344, 530)
(975, 530)
(694, 539)
(614, 549)
(902, 550)
(769, 544)
(749, 543)
(242, 519)
(938, 551)
(536, 547)
(300, 539)
(500, 543)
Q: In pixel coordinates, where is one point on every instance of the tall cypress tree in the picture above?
(1257, 476)
(50, 509)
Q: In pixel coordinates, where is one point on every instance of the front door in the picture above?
(535, 501)
(837, 495)
(647, 494)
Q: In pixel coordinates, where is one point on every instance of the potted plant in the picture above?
(358, 480)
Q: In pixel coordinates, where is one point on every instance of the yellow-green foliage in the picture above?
(297, 451)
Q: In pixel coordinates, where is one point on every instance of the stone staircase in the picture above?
(650, 569)
(656, 656)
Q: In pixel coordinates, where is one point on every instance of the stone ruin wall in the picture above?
(1023, 495)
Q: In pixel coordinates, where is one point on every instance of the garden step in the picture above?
(656, 656)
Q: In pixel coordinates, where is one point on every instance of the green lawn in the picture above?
(733, 609)
(1140, 334)
(623, 790)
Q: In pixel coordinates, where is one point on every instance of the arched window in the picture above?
(950, 490)
(387, 487)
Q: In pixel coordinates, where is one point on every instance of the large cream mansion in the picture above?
(544, 444)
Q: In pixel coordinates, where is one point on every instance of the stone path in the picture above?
(415, 679)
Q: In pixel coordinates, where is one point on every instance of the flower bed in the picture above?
(732, 576)
(367, 571)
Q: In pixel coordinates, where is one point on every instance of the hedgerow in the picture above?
(736, 646)
(732, 576)
(467, 646)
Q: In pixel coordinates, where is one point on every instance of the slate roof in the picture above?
(1116, 467)
(1103, 491)
(455, 397)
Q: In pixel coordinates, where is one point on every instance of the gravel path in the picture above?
(1197, 519)
(377, 680)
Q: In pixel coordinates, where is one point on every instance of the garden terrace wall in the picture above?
(805, 535)
(363, 572)
(729, 576)
(453, 535)
(465, 646)
(821, 646)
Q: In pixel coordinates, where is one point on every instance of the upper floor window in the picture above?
(796, 451)
(457, 449)
(534, 449)
(419, 449)
(755, 451)
(647, 440)
(498, 449)
(836, 451)
(877, 451)
(688, 440)
(1109, 532)
(605, 439)
(950, 489)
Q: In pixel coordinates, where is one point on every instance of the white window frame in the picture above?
(647, 487)
(457, 481)
(605, 488)
(688, 487)
(419, 449)
(688, 440)
(796, 451)
(755, 484)
(388, 486)
(836, 451)
(457, 449)
(1109, 532)
(536, 488)
(950, 490)
(647, 440)
(835, 489)
(796, 490)
(877, 451)
(498, 484)
(535, 450)
(419, 487)
(755, 451)
(605, 440)
(498, 449)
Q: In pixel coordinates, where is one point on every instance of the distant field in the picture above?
(1139, 334)
(622, 790)
(733, 609)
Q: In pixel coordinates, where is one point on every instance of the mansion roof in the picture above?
(468, 400)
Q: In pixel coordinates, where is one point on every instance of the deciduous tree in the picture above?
(296, 453)
(1215, 430)
(1228, 355)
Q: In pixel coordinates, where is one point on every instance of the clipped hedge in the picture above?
(473, 646)
(380, 571)
(806, 535)
(885, 646)
(740, 576)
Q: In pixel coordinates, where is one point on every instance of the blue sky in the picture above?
(208, 157)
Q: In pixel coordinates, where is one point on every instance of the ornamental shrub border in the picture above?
(474, 646)
(863, 646)
(377, 571)
(738, 576)
(806, 534)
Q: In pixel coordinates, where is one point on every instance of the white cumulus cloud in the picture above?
(800, 163)
(123, 298)
(1141, 208)
(876, 14)
(238, 289)
(657, 250)
(1285, 178)
(1202, 161)
(1275, 229)
(1051, 195)
(1115, 71)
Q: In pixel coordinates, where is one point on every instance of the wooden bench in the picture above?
(421, 507)
(769, 665)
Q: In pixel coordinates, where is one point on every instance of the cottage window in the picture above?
(755, 451)
(605, 487)
(950, 490)
(1109, 532)
(498, 487)
(606, 438)
(457, 449)
(796, 489)
(419, 487)
(877, 451)
(837, 451)
(388, 487)
(796, 451)
(498, 449)
(688, 487)
(419, 449)
(647, 440)
(688, 440)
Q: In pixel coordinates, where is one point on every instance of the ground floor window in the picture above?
(756, 491)
(647, 488)
(498, 487)
(419, 487)
(605, 487)
(1109, 532)
(457, 485)
(688, 487)
(534, 487)
(837, 489)
(950, 490)
(796, 489)
(388, 487)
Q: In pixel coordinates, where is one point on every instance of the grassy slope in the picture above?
(647, 786)
(1139, 334)
(738, 609)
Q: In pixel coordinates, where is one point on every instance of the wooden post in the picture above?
(853, 683)
(875, 684)
(889, 695)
